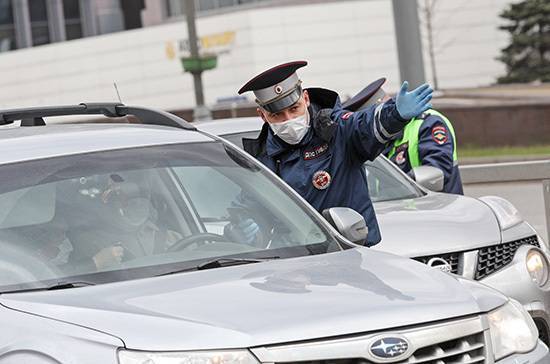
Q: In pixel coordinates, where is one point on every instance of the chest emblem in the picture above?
(321, 180)
(401, 153)
(400, 157)
(315, 152)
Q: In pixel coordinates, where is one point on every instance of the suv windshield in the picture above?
(125, 214)
(385, 181)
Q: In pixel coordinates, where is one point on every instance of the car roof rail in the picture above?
(34, 116)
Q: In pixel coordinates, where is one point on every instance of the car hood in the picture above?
(434, 224)
(353, 291)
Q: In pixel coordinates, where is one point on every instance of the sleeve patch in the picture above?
(439, 134)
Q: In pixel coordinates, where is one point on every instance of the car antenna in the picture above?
(120, 100)
(117, 93)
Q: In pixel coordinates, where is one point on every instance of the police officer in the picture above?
(427, 140)
(317, 147)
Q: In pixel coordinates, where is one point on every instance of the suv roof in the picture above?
(230, 126)
(36, 140)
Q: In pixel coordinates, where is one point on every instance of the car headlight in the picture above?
(196, 357)
(537, 266)
(506, 213)
(512, 330)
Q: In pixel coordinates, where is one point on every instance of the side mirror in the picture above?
(430, 177)
(348, 222)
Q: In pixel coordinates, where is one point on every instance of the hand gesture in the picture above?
(412, 104)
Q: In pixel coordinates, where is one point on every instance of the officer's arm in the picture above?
(368, 132)
(435, 145)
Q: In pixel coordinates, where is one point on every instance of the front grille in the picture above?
(451, 258)
(493, 258)
(452, 342)
(468, 349)
(465, 350)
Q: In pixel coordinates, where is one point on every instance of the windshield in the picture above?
(141, 212)
(385, 181)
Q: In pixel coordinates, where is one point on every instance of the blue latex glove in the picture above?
(414, 103)
(245, 231)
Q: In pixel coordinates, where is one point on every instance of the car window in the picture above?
(385, 181)
(140, 212)
(203, 185)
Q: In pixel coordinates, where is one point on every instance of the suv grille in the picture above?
(451, 258)
(452, 342)
(466, 350)
(492, 258)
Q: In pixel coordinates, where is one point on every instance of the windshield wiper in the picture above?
(226, 262)
(58, 285)
(219, 262)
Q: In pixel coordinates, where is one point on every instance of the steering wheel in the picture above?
(189, 240)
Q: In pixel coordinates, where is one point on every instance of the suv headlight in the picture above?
(196, 357)
(512, 330)
(506, 213)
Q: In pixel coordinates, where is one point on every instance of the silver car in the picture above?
(481, 239)
(112, 253)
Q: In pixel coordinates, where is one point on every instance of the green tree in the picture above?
(527, 58)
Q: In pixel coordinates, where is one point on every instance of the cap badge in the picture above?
(278, 89)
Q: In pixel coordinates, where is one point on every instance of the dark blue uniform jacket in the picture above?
(435, 148)
(326, 167)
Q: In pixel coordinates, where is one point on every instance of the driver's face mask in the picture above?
(292, 131)
(134, 214)
(65, 249)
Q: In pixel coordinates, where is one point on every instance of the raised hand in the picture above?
(414, 103)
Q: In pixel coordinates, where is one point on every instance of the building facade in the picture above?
(28, 23)
(348, 43)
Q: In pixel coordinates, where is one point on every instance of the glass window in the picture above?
(7, 29)
(7, 39)
(38, 11)
(226, 3)
(387, 183)
(73, 23)
(39, 22)
(109, 216)
(6, 13)
(204, 5)
(71, 9)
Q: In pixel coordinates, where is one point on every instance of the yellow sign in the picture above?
(217, 44)
(217, 40)
(170, 50)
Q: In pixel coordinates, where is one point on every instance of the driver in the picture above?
(128, 230)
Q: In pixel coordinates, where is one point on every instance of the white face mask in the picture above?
(292, 131)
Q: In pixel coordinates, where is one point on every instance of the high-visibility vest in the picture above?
(410, 135)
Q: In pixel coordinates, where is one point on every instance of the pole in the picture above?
(409, 44)
(200, 112)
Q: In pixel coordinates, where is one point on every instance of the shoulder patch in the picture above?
(439, 134)
(347, 115)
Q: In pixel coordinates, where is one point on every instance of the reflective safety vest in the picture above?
(410, 136)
